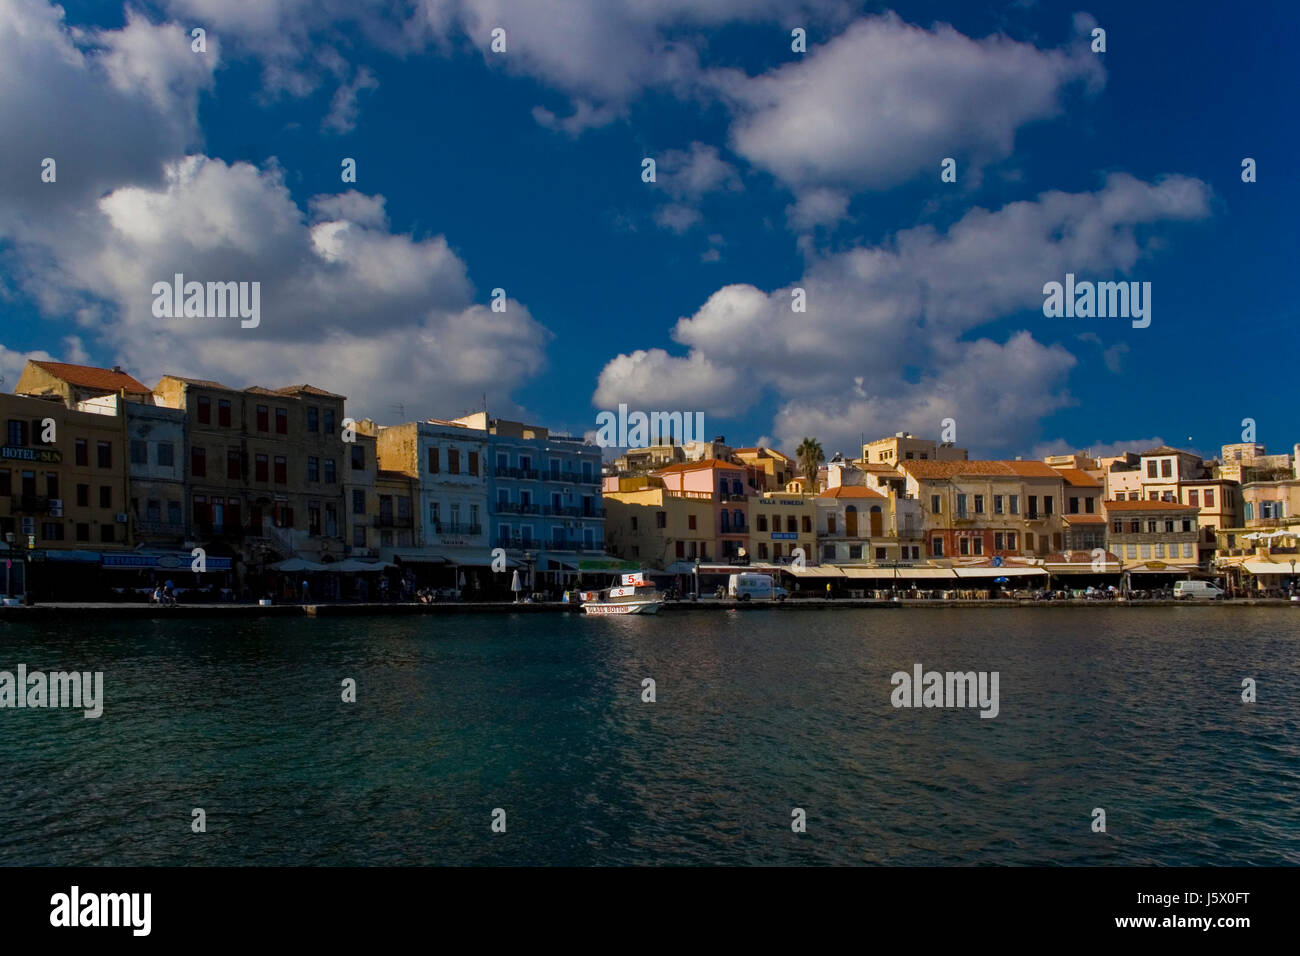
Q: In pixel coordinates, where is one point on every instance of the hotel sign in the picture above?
(784, 536)
(44, 455)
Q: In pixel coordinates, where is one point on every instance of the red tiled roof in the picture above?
(1078, 478)
(1166, 450)
(951, 469)
(88, 376)
(201, 382)
(1148, 506)
(306, 389)
(697, 465)
(850, 491)
(1085, 519)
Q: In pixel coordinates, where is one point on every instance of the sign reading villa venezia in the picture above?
(45, 455)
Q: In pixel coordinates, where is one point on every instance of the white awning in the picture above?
(1266, 567)
(998, 572)
(876, 573)
(904, 573)
(816, 572)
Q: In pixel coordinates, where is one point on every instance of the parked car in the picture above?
(1202, 590)
(744, 587)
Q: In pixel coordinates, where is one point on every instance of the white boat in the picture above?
(634, 595)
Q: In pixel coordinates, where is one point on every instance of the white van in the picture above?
(758, 587)
(1203, 590)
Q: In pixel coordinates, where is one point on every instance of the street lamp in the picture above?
(697, 580)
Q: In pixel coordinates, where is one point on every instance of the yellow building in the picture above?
(655, 526)
(780, 523)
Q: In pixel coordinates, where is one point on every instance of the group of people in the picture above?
(164, 595)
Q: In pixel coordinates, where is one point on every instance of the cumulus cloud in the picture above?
(886, 100)
(911, 302)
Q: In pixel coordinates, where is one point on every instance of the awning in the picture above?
(79, 557)
(816, 572)
(904, 573)
(418, 556)
(998, 572)
(294, 565)
(163, 561)
(1163, 569)
(1266, 567)
(868, 572)
(357, 566)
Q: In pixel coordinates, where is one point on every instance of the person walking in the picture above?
(828, 590)
(306, 592)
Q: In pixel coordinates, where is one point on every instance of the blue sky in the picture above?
(776, 169)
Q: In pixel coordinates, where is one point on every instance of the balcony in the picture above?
(151, 526)
(518, 508)
(447, 527)
(391, 521)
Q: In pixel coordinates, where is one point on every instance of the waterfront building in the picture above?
(1085, 522)
(730, 492)
(1249, 461)
(544, 497)
(264, 468)
(658, 454)
(157, 452)
(1163, 469)
(782, 523)
(994, 508)
(1153, 536)
(656, 526)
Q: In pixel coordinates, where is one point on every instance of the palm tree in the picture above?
(810, 455)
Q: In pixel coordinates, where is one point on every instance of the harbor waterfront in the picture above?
(1136, 710)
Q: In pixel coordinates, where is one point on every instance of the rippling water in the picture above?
(1137, 711)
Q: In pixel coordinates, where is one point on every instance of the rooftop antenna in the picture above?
(401, 410)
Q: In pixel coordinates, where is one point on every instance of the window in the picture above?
(880, 554)
(1151, 526)
(205, 410)
(791, 524)
(935, 505)
(830, 524)
(1117, 527)
(233, 467)
(1169, 525)
(998, 541)
(961, 506)
(281, 470)
(1074, 506)
(83, 531)
(1029, 541)
(358, 536)
(313, 418)
(1011, 541)
(1187, 524)
(1209, 497)
(139, 452)
(681, 550)
(1135, 526)
(313, 468)
(263, 418)
(82, 456)
(634, 523)
(977, 545)
(282, 421)
(1154, 496)
(1187, 549)
(52, 484)
(453, 461)
(107, 533)
(6, 483)
(979, 504)
(83, 496)
(855, 552)
(828, 552)
(18, 432)
(473, 518)
(1033, 507)
(358, 458)
(1160, 549)
(762, 522)
(963, 545)
(223, 412)
(106, 496)
(359, 503)
(1049, 504)
(331, 474)
(166, 454)
(153, 510)
(1015, 504)
(1151, 469)
(1089, 505)
(260, 472)
(1166, 468)
(329, 422)
(104, 454)
(1194, 498)
(434, 466)
(313, 518)
(199, 462)
(52, 530)
(690, 522)
(997, 504)
(661, 519)
(473, 465)
(807, 524)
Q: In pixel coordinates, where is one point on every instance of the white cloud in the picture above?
(911, 301)
(886, 100)
(677, 217)
(342, 117)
